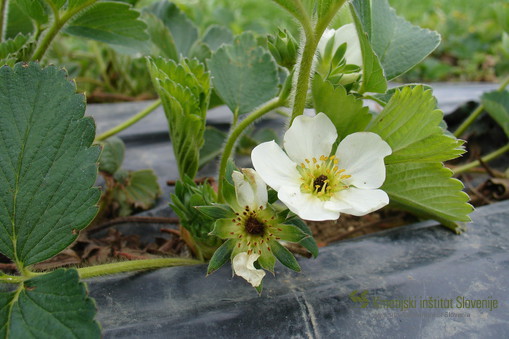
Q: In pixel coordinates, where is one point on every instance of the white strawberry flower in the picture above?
(318, 185)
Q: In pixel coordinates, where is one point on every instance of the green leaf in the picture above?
(284, 256)
(497, 105)
(47, 167)
(34, 9)
(399, 44)
(11, 46)
(384, 98)
(215, 36)
(216, 211)
(221, 256)
(346, 112)
(295, 8)
(17, 22)
(416, 179)
(410, 124)
(184, 90)
(214, 141)
(308, 243)
(161, 37)
(183, 31)
(244, 75)
(112, 155)
(114, 23)
(429, 191)
(53, 305)
(139, 191)
(373, 78)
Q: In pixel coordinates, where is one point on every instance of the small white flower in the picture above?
(345, 34)
(243, 266)
(317, 185)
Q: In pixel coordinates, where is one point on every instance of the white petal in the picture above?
(306, 205)
(310, 137)
(362, 156)
(243, 190)
(348, 34)
(358, 202)
(274, 166)
(243, 266)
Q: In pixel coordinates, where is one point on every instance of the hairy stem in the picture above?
(129, 122)
(3, 19)
(56, 26)
(471, 118)
(303, 75)
(236, 132)
(493, 155)
(134, 265)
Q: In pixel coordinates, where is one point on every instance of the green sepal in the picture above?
(223, 228)
(308, 243)
(284, 256)
(216, 211)
(221, 256)
(272, 196)
(267, 261)
(259, 288)
(290, 233)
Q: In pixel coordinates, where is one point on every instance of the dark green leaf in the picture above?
(112, 155)
(34, 9)
(284, 256)
(12, 46)
(54, 305)
(399, 44)
(214, 141)
(183, 31)
(46, 163)
(497, 105)
(373, 78)
(221, 256)
(114, 23)
(244, 74)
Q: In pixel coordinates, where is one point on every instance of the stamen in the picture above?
(314, 160)
(345, 176)
(307, 160)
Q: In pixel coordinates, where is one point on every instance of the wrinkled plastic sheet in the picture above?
(413, 262)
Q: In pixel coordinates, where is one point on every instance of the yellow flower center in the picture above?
(322, 178)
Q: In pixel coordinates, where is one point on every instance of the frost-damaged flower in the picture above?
(317, 185)
(253, 230)
(243, 266)
(340, 55)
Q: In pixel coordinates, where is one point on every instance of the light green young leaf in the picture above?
(399, 44)
(184, 90)
(47, 167)
(497, 105)
(416, 179)
(114, 23)
(428, 190)
(112, 155)
(410, 124)
(244, 74)
(384, 98)
(373, 78)
(53, 305)
(346, 112)
(183, 30)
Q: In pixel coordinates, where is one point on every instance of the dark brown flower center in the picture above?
(254, 226)
(319, 182)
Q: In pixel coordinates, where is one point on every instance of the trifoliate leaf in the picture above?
(114, 23)
(47, 167)
(398, 44)
(410, 124)
(497, 105)
(183, 31)
(373, 78)
(416, 179)
(112, 155)
(346, 112)
(53, 305)
(244, 74)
